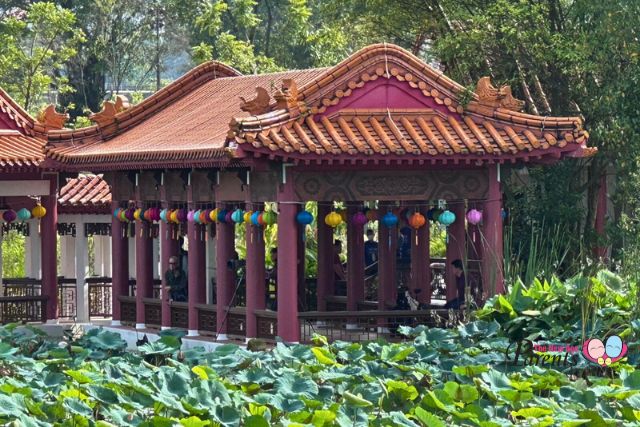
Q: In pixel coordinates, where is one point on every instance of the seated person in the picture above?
(176, 281)
(458, 273)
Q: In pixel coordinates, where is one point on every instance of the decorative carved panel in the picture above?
(392, 185)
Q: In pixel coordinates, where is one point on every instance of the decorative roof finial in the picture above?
(257, 105)
(491, 96)
(109, 110)
(51, 119)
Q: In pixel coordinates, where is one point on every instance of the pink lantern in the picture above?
(190, 216)
(359, 219)
(474, 216)
(227, 217)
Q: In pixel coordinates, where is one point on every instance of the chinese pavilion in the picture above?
(381, 131)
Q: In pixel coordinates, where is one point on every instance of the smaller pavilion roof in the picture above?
(85, 194)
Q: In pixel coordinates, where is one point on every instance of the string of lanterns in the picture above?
(24, 214)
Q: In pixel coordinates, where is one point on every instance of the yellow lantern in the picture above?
(38, 211)
(333, 219)
(173, 216)
(247, 217)
(137, 213)
(213, 215)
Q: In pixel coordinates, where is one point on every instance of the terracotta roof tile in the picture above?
(87, 193)
(18, 151)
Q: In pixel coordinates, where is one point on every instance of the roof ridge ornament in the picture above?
(51, 119)
(287, 97)
(109, 110)
(491, 96)
(257, 105)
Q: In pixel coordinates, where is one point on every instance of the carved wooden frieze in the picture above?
(392, 185)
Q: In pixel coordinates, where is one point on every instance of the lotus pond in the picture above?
(437, 377)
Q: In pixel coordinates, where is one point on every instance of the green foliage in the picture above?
(435, 378)
(13, 245)
(34, 50)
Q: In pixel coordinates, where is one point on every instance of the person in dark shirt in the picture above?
(176, 281)
(272, 281)
(338, 268)
(371, 253)
(458, 273)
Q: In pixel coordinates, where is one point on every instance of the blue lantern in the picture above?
(254, 218)
(222, 214)
(196, 216)
(389, 219)
(304, 218)
(504, 214)
(447, 218)
(237, 216)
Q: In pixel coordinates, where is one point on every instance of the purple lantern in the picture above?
(474, 216)
(182, 215)
(128, 214)
(359, 219)
(9, 216)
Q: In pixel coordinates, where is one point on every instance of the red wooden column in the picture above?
(387, 260)
(144, 269)
(325, 258)
(197, 274)
(355, 261)
(225, 235)
(455, 247)
(287, 292)
(492, 250)
(302, 285)
(48, 245)
(256, 288)
(119, 264)
(420, 260)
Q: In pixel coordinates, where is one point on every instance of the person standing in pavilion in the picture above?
(458, 273)
(371, 253)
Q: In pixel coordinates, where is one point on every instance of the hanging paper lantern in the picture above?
(163, 215)
(417, 220)
(213, 215)
(261, 220)
(222, 215)
(9, 216)
(122, 216)
(504, 214)
(389, 219)
(130, 214)
(190, 216)
(147, 215)
(372, 215)
(237, 216)
(333, 219)
(255, 218)
(227, 217)
(116, 213)
(38, 211)
(447, 218)
(474, 216)
(155, 214)
(304, 218)
(203, 217)
(247, 217)
(182, 215)
(270, 217)
(136, 214)
(359, 219)
(172, 216)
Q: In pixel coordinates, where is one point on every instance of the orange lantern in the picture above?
(417, 220)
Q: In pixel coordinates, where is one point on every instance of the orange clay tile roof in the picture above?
(312, 125)
(20, 152)
(87, 192)
(184, 124)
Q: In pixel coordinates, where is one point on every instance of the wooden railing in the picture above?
(267, 321)
(67, 298)
(127, 309)
(179, 314)
(152, 312)
(157, 288)
(21, 287)
(23, 309)
(207, 320)
(99, 296)
(357, 326)
(236, 322)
